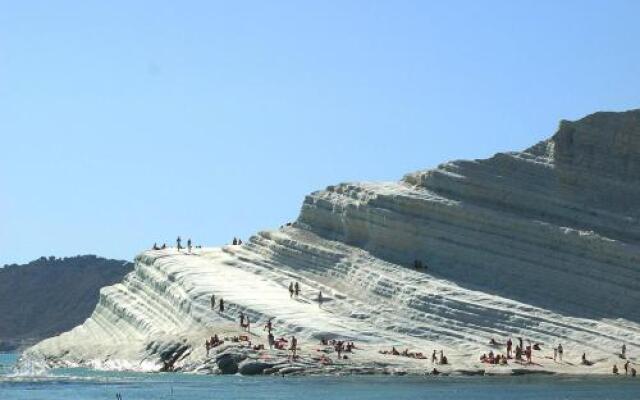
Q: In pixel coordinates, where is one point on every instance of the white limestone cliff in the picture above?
(541, 244)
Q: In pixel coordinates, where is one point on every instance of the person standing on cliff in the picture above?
(291, 290)
(241, 319)
(178, 241)
(297, 289)
(294, 347)
(320, 299)
(213, 301)
(560, 351)
(221, 305)
(189, 245)
(509, 346)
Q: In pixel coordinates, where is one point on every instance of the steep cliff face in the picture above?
(542, 244)
(556, 225)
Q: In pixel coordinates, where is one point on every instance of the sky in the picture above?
(124, 123)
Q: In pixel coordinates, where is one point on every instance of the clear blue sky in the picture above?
(124, 123)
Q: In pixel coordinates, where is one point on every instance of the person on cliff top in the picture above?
(235, 241)
(221, 305)
(178, 241)
(189, 245)
(213, 301)
(291, 290)
(320, 299)
(155, 246)
(509, 346)
(239, 242)
(297, 289)
(434, 358)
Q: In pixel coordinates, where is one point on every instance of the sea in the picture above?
(81, 384)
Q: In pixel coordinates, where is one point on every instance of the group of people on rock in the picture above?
(492, 358)
(178, 245)
(236, 241)
(418, 355)
(220, 303)
(214, 341)
(294, 289)
(520, 351)
(628, 369)
(339, 346)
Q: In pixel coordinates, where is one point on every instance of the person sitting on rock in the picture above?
(235, 241)
(615, 369)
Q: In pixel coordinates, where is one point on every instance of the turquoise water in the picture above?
(81, 384)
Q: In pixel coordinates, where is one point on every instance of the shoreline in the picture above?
(239, 360)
